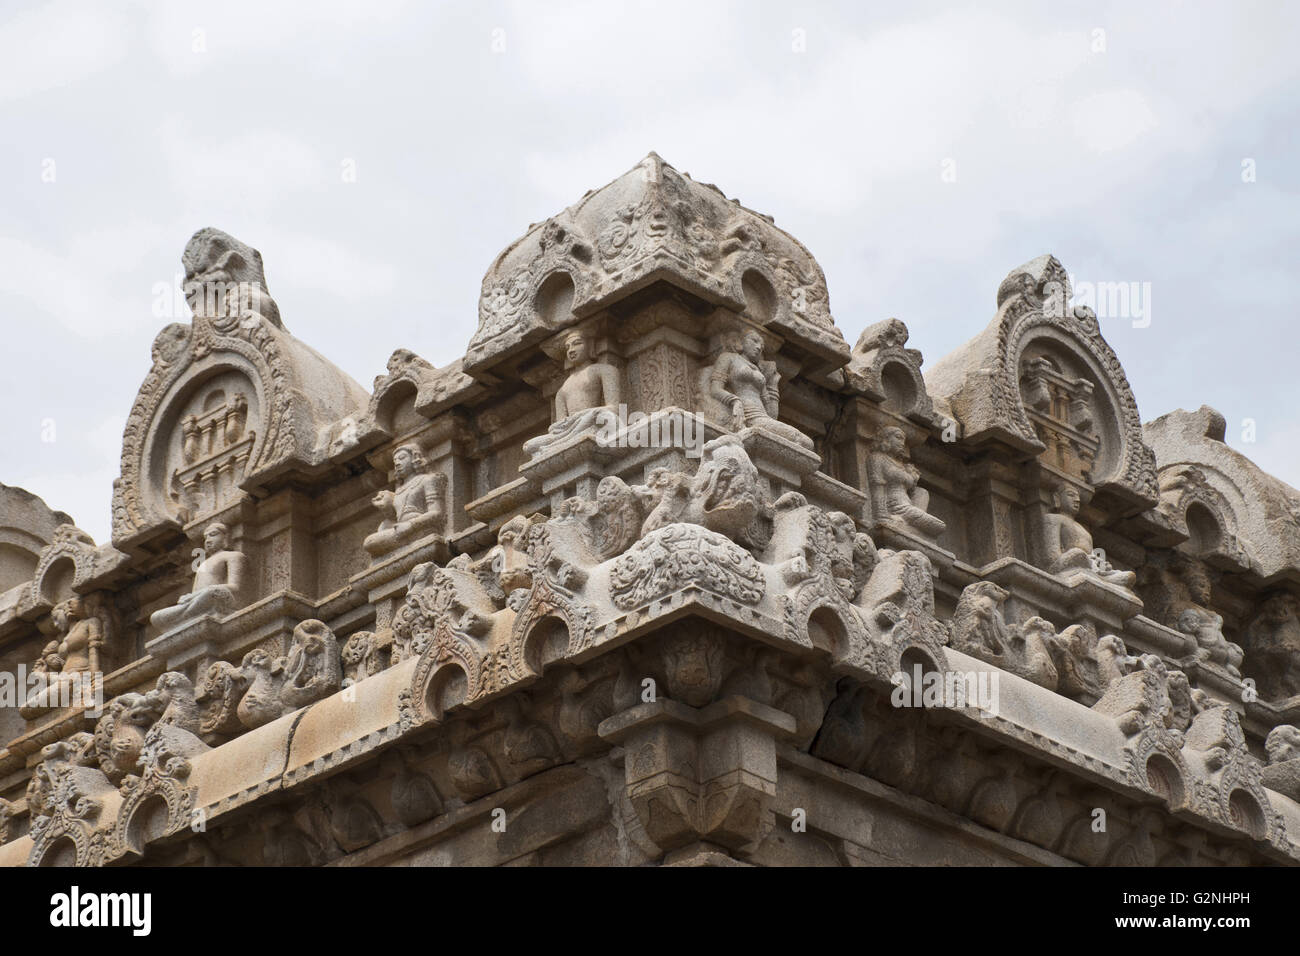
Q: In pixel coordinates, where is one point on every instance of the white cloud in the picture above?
(58, 45)
(1126, 163)
(1111, 120)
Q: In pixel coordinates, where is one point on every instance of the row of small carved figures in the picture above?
(153, 732)
(156, 732)
(724, 496)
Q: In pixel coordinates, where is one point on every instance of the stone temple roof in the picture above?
(651, 224)
(27, 525)
(1259, 512)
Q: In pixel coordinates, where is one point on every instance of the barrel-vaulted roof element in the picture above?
(27, 526)
(1224, 502)
(232, 399)
(652, 224)
(1036, 327)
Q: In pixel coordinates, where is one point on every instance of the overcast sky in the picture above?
(919, 151)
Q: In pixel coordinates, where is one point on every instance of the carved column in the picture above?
(701, 774)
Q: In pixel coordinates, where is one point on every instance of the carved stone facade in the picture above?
(661, 572)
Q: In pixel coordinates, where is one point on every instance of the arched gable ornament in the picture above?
(165, 770)
(70, 543)
(651, 224)
(146, 496)
(1258, 515)
(888, 371)
(447, 620)
(228, 397)
(1184, 485)
(409, 375)
(511, 303)
(68, 800)
(1033, 309)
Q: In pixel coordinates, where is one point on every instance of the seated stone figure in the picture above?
(220, 583)
(1283, 771)
(894, 490)
(742, 390)
(74, 656)
(414, 509)
(1067, 544)
(1191, 613)
(587, 399)
(1273, 639)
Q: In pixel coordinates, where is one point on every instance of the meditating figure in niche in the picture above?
(415, 508)
(1067, 544)
(1273, 638)
(895, 493)
(220, 583)
(588, 398)
(746, 390)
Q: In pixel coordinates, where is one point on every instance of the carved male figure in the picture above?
(894, 490)
(414, 508)
(587, 397)
(1067, 544)
(220, 584)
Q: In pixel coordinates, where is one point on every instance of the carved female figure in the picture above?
(895, 492)
(745, 384)
(83, 636)
(76, 651)
(746, 388)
